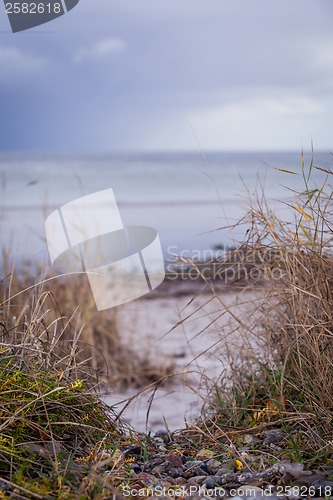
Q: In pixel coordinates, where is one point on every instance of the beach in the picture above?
(197, 332)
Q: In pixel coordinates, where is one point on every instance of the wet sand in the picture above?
(197, 334)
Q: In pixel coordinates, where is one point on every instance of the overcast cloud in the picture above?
(163, 74)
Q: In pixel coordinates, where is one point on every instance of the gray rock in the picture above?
(175, 460)
(269, 474)
(169, 479)
(196, 481)
(191, 464)
(153, 463)
(226, 466)
(249, 477)
(251, 440)
(164, 435)
(181, 480)
(212, 482)
(323, 487)
(195, 468)
(213, 465)
(158, 440)
(309, 478)
(229, 478)
(274, 437)
(175, 472)
(159, 470)
(135, 467)
(295, 469)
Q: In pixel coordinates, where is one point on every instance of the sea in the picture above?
(194, 200)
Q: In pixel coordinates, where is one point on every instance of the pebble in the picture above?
(226, 466)
(181, 481)
(213, 482)
(205, 454)
(321, 484)
(251, 440)
(175, 460)
(175, 472)
(163, 435)
(249, 477)
(213, 465)
(196, 481)
(177, 468)
(274, 437)
(196, 468)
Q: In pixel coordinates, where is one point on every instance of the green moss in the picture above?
(46, 425)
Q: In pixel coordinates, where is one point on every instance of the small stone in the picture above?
(309, 477)
(248, 477)
(204, 469)
(269, 474)
(229, 477)
(153, 463)
(226, 466)
(181, 481)
(175, 460)
(131, 449)
(274, 437)
(175, 472)
(196, 481)
(205, 454)
(323, 487)
(170, 480)
(212, 482)
(147, 479)
(135, 467)
(213, 465)
(164, 435)
(251, 440)
(159, 469)
(191, 464)
(158, 440)
(196, 467)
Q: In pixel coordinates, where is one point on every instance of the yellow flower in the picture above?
(75, 385)
(239, 465)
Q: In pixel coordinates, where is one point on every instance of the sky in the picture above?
(170, 75)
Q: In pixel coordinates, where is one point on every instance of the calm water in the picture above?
(184, 196)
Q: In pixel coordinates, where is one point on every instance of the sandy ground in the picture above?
(197, 334)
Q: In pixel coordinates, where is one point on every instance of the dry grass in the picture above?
(292, 384)
(53, 425)
(50, 414)
(59, 317)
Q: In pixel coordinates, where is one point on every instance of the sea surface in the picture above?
(193, 200)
